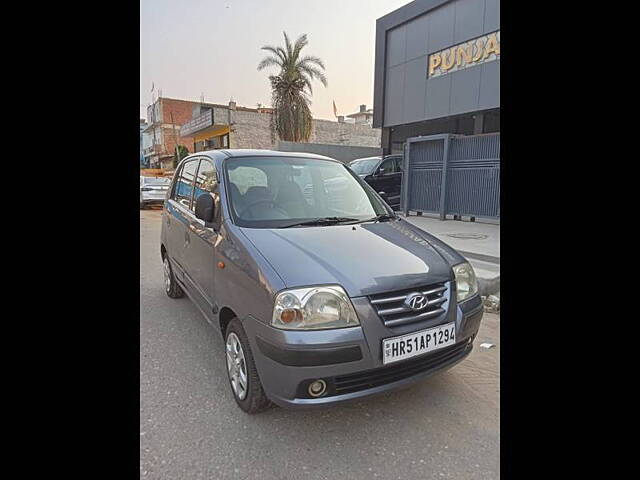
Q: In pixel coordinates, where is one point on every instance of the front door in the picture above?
(386, 179)
(200, 259)
(395, 184)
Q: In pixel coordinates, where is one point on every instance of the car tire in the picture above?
(254, 400)
(171, 287)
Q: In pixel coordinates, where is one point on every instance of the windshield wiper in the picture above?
(322, 221)
(379, 218)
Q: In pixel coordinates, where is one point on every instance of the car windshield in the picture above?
(364, 166)
(278, 192)
(156, 181)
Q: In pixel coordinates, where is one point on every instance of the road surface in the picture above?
(446, 426)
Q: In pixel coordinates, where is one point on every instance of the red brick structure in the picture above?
(164, 118)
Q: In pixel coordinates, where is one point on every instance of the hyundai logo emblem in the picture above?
(416, 301)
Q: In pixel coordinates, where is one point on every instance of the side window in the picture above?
(184, 186)
(399, 161)
(206, 181)
(388, 166)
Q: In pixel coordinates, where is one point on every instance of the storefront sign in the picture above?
(202, 121)
(474, 52)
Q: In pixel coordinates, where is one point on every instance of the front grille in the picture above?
(393, 311)
(373, 378)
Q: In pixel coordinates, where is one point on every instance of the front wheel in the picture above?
(243, 375)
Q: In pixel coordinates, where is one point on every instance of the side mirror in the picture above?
(205, 208)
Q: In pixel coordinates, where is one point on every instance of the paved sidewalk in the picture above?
(478, 242)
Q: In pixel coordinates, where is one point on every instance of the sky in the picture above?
(212, 47)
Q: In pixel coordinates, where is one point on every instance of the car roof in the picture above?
(248, 152)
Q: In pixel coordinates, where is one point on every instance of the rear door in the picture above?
(177, 218)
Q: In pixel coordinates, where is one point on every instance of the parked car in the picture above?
(383, 174)
(153, 190)
(318, 302)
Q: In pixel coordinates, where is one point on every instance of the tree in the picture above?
(291, 89)
(182, 152)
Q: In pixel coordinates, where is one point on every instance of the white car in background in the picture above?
(153, 190)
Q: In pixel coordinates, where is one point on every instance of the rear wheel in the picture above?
(243, 375)
(171, 286)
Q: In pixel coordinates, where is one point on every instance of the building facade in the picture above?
(215, 126)
(164, 120)
(143, 126)
(437, 70)
(363, 116)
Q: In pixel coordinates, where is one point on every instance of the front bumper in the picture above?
(350, 359)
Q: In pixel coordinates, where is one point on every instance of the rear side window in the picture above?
(398, 162)
(184, 186)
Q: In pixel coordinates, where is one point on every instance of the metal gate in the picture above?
(452, 175)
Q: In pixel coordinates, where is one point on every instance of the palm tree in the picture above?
(291, 88)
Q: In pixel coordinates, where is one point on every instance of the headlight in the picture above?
(466, 282)
(313, 308)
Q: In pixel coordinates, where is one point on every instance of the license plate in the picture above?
(417, 343)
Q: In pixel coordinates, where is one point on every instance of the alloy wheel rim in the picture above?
(167, 274)
(236, 366)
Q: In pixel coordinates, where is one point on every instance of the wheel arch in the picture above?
(224, 317)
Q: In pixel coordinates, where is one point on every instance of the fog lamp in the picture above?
(317, 388)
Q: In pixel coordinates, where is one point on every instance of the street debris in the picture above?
(487, 345)
(491, 303)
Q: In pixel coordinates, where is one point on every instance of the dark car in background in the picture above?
(384, 174)
(320, 297)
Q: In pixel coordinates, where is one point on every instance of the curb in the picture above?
(480, 256)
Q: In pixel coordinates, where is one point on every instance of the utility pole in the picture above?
(175, 139)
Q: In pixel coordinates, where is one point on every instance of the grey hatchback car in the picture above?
(321, 292)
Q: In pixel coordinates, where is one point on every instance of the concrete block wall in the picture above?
(328, 132)
(250, 129)
(344, 153)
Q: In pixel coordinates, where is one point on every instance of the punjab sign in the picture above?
(474, 52)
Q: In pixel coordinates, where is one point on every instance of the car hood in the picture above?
(364, 258)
